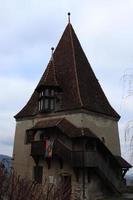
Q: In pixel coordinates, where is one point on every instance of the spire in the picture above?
(72, 72)
(69, 17)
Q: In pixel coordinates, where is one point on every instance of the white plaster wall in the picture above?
(101, 126)
(21, 153)
(104, 127)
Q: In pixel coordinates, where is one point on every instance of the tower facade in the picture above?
(68, 131)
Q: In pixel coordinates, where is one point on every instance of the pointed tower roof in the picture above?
(72, 72)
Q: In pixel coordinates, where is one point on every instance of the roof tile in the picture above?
(73, 73)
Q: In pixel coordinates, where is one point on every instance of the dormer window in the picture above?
(47, 100)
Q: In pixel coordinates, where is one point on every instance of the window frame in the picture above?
(47, 95)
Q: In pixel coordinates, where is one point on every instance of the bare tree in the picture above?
(14, 187)
(127, 102)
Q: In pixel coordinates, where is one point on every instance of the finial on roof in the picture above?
(69, 17)
(52, 52)
(52, 48)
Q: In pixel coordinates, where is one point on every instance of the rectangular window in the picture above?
(52, 104)
(46, 106)
(41, 104)
(40, 94)
(52, 92)
(38, 173)
(46, 92)
(47, 100)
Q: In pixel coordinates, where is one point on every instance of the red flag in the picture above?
(49, 148)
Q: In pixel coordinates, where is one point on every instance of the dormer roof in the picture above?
(49, 77)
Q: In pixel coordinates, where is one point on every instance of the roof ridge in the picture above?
(74, 60)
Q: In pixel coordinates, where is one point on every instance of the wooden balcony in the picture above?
(88, 159)
(79, 159)
(37, 149)
(76, 158)
(91, 159)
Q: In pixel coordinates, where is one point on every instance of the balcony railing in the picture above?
(79, 159)
(90, 159)
(76, 158)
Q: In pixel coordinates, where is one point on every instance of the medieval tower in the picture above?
(68, 131)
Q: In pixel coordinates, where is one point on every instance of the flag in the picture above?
(49, 148)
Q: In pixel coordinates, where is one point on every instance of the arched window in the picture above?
(47, 100)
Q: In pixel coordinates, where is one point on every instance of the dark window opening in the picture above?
(29, 137)
(37, 174)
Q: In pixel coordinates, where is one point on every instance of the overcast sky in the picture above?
(28, 30)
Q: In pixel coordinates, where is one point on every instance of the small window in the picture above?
(52, 104)
(46, 104)
(41, 94)
(41, 104)
(38, 173)
(46, 92)
(52, 92)
(47, 100)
